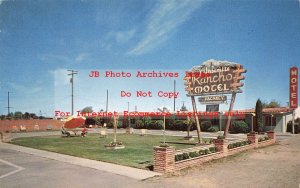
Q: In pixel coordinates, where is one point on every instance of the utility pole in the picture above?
(106, 101)
(8, 104)
(128, 116)
(174, 94)
(72, 72)
(106, 120)
(8, 107)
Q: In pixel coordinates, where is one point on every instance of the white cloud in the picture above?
(81, 57)
(65, 59)
(62, 59)
(117, 37)
(25, 89)
(122, 37)
(61, 77)
(166, 17)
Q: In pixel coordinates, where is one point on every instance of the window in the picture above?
(270, 121)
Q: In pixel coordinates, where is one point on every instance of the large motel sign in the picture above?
(212, 78)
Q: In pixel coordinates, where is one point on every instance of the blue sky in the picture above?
(40, 40)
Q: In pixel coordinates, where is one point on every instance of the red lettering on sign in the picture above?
(294, 87)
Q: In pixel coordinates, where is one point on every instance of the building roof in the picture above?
(278, 110)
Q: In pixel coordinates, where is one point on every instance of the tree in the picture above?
(189, 123)
(147, 121)
(183, 109)
(26, 115)
(3, 117)
(87, 109)
(89, 121)
(33, 116)
(272, 104)
(18, 115)
(258, 115)
(98, 121)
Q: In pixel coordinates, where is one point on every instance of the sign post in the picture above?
(211, 78)
(229, 114)
(196, 118)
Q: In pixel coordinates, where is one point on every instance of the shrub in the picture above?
(212, 149)
(110, 125)
(238, 144)
(208, 141)
(139, 124)
(206, 151)
(240, 127)
(202, 152)
(185, 156)
(159, 124)
(165, 145)
(193, 154)
(205, 125)
(261, 139)
(156, 125)
(213, 129)
(179, 157)
(221, 137)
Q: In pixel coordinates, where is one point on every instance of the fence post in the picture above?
(253, 137)
(164, 159)
(221, 145)
(271, 135)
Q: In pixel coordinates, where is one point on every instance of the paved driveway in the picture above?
(41, 172)
(274, 166)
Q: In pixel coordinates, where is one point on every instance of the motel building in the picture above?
(273, 118)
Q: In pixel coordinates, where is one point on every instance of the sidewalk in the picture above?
(130, 172)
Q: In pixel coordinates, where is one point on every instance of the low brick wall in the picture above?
(266, 143)
(30, 125)
(240, 149)
(164, 158)
(197, 161)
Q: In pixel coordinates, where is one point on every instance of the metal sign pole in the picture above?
(229, 114)
(196, 118)
(293, 122)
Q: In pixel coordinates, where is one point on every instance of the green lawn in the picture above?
(138, 150)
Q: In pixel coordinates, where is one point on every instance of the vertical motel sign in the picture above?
(294, 87)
